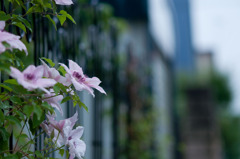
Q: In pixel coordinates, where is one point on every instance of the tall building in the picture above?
(184, 53)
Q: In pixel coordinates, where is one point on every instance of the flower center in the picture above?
(29, 76)
(78, 77)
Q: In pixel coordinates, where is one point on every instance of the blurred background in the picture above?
(170, 70)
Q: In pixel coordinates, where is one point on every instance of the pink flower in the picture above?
(63, 124)
(80, 81)
(77, 147)
(11, 39)
(54, 74)
(63, 2)
(64, 134)
(54, 101)
(47, 127)
(31, 78)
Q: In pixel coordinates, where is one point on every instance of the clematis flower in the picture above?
(47, 127)
(81, 81)
(54, 74)
(62, 124)
(64, 134)
(77, 147)
(69, 136)
(11, 39)
(63, 2)
(31, 78)
(54, 101)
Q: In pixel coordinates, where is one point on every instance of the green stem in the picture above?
(54, 150)
(20, 134)
(32, 139)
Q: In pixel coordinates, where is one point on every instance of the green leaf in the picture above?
(19, 154)
(4, 138)
(49, 61)
(34, 122)
(61, 152)
(52, 135)
(66, 99)
(60, 86)
(4, 134)
(67, 154)
(15, 99)
(4, 16)
(48, 107)
(19, 2)
(48, 16)
(24, 21)
(77, 101)
(38, 154)
(20, 25)
(12, 156)
(20, 114)
(63, 12)
(38, 111)
(5, 44)
(2, 117)
(22, 136)
(13, 120)
(47, 5)
(62, 18)
(56, 89)
(5, 105)
(6, 87)
(16, 88)
(34, 9)
(28, 110)
(62, 70)
(11, 81)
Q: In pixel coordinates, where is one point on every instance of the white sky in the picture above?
(216, 28)
(161, 25)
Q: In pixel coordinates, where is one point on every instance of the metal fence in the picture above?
(92, 46)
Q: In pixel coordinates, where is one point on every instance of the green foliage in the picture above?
(51, 20)
(77, 101)
(20, 19)
(230, 128)
(4, 16)
(23, 109)
(66, 15)
(60, 88)
(62, 70)
(221, 90)
(61, 152)
(66, 99)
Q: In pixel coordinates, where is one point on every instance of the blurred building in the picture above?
(147, 60)
(184, 53)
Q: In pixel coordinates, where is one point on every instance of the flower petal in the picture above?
(38, 72)
(66, 68)
(82, 86)
(63, 2)
(93, 81)
(15, 73)
(77, 133)
(77, 147)
(74, 66)
(29, 70)
(46, 69)
(2, 25)
(44, 82)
